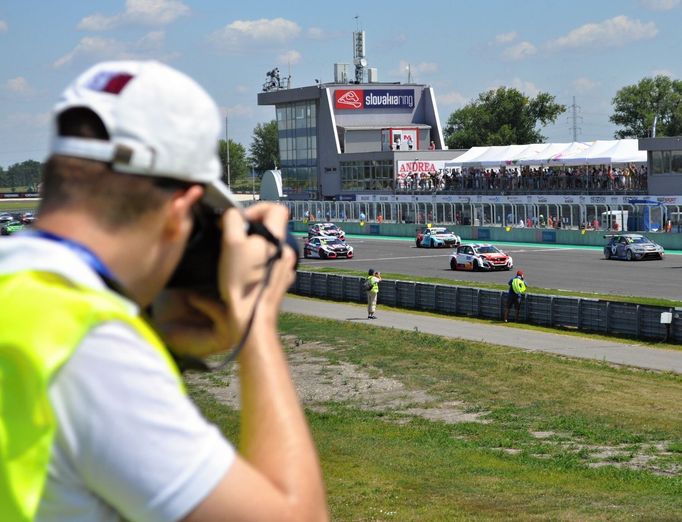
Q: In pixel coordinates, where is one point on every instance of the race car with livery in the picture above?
(326, 229)
(437, 237)
(480, 257)
(11, 227)
(327, 247)
(632, 247)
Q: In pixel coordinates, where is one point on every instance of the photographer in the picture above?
(372, 289)
(96, 422)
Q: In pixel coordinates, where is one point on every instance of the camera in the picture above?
(198, 267)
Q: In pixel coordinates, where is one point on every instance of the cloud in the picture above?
(137, 12)
(416, 69)
(519, 51)
(452, 98)
(659, 5)
(98, 48)
(506, 38)
(524, 86)
(426, 67)
(245, 35)
(18, 85)
(614, 32)
(290, 57)
(315, 33)
(152, 41)
(584, 84)
(3, 26)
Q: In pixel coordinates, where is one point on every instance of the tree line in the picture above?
(505, 116)
(263, 155)
(502, 116)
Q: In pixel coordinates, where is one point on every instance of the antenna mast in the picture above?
(359, 52)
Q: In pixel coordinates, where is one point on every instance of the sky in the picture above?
(581, 49)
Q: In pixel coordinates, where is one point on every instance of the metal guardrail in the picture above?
(589, 315)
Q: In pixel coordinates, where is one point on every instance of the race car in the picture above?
(27, 218)
(480, 257)
(327, 247)
(632, 247)
(10, 228)
(326, 229)
(437, 237)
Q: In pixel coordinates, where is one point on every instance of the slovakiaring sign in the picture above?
(358, 99)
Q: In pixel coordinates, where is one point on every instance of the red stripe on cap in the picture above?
(116, 83)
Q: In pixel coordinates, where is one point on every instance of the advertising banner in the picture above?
(358, 99)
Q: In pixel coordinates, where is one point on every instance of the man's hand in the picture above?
(197, 324)
(247, 262)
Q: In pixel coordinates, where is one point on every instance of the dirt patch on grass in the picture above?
(320, 380)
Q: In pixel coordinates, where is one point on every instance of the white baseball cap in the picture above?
(160, 123)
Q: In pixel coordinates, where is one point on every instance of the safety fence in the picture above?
(589, 315)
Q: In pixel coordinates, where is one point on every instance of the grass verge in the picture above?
(386, 465)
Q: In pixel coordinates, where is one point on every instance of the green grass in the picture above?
(569, 332)
(384, 465)
(11, 206)
(649, 301)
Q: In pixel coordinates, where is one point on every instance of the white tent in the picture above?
(594, 155)
(599, 152)
(540, 153)
(624, 151)
(496, 156)
(573, 149)
(472, 153)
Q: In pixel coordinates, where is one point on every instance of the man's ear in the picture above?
(180, 211)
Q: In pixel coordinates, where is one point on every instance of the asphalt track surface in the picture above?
(565, 267)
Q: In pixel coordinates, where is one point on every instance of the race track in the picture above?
(568, 268)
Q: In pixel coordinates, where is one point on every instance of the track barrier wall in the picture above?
(588, 315)
(496, 233)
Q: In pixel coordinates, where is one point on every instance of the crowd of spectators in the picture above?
(592, 179)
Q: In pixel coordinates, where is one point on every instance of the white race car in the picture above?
(437, 237)
(326, 229)
(327, 247)
(480, 257)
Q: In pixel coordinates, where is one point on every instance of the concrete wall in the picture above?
(671, 241)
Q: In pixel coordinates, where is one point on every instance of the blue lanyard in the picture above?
(83, 252)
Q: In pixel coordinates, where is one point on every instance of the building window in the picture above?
(676, 161)
(666, 161)
(297, 129)
(366, 176)
(660, 161)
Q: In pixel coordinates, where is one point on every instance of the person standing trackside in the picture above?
(517, 290)
(372, 287)
(96, 422)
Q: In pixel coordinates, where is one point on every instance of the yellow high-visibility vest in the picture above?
(519, 286)
(44, 319)
(373, 284)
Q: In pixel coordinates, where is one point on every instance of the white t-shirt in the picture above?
(129, 443)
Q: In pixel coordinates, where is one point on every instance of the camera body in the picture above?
(198, 268)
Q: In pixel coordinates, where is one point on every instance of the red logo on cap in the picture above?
(351, 99)
(111, 82)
